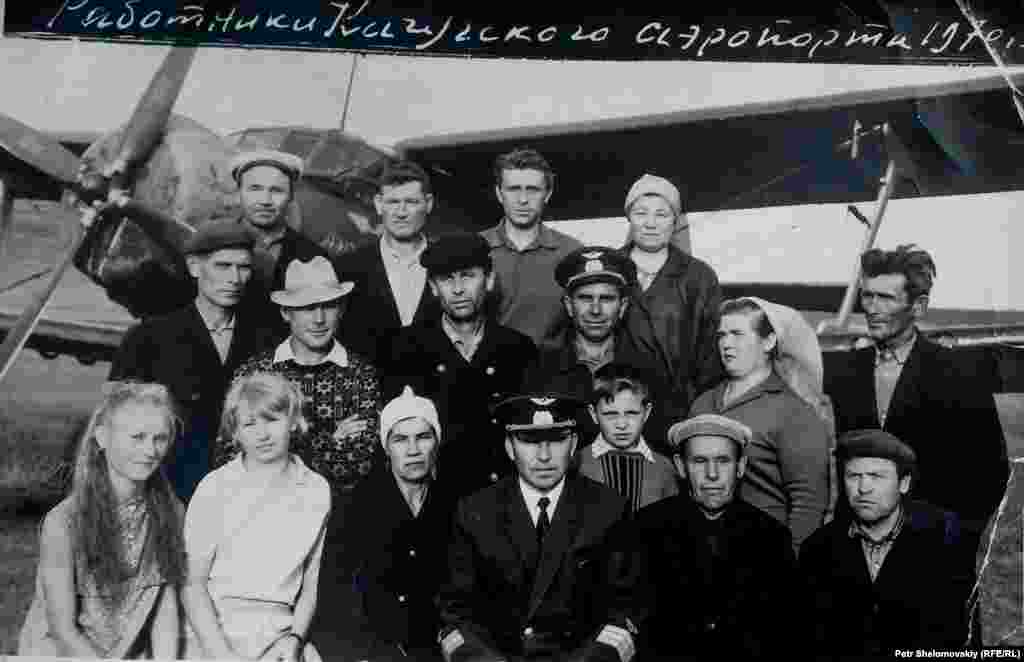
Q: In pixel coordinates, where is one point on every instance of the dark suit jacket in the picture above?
(945, 413)
(917, 601)
(422, 356)
(266, 313)
(490, 597)
(397, 563)
(733, 605)
(372, 319)
(176, 350)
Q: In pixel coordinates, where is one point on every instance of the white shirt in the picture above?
(407, 278)
(532, 496)
(602, 446)
(338, 354)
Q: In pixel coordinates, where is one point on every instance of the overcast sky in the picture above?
(71, 85)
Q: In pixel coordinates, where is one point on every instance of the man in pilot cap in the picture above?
(893, 575)
(714, 573)
(596, 283)
(535, 567)
(194, 350)
(266, 181)
(463, 360)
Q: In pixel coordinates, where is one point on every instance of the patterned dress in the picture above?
(116, 629)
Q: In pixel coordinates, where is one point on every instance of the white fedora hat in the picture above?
(306, 283)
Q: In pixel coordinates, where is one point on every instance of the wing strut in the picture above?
(884, 193)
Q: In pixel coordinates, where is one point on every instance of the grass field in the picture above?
(42, 403)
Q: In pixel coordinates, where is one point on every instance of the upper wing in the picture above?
(960, 137)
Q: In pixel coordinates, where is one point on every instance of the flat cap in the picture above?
(538, 412)
(289, 164)
(215, 235)
(595, 264)
(452, 252)
(875, 443)
(710, 425)
(654, 185)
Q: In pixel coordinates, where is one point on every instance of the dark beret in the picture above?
(215, 235)
(538, 412)
(595, 264)
(456, 251)
(875, 443)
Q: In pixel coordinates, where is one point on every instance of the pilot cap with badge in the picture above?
(538, 413)
(595, 264)
(289, 164)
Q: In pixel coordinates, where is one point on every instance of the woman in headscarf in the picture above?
(773, 384)
(674, 312)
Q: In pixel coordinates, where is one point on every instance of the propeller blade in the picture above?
(38, 150)
(149, 118)
(20, 332)
(6, 217)
(165, 230)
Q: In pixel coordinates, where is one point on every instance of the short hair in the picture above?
(614, 378)
(403, 172)
(524, 159)
(263, 391)
(913, 262)
(762, 325)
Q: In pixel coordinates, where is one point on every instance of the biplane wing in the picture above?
(948, 139)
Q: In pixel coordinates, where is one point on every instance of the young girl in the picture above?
(254, 534)
(111, 555)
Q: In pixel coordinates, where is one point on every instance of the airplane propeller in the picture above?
(95, 195)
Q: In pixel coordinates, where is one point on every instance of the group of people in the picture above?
(511, 446)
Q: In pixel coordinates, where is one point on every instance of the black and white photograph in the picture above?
(349, 331)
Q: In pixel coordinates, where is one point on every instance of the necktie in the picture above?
(542, 521)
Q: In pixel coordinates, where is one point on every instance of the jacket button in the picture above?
(490, 370)
(494, 478)
(401, 598)
(528, 632)
(412, 553)
(711, 626)
(441, 368)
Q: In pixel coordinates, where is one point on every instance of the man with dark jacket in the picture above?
(715, 574)
(195, 350)
(893, 576)
(534, 569)
(391, 285)
(266, 181)
(462, 360)
(920, 392)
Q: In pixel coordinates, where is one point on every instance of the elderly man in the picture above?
(716, 573)
(391, 284)
(194, 350)
(921, 392)
(524, 249)
(266, 181)
(893, 576)
(534, 564)
(463, 360)
(397, 535)
(596, 283)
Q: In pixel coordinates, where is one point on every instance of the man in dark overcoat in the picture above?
(535, 571)
(893, 576)
(921, 392)
(715, 574)
(195, 350)
(463, 360)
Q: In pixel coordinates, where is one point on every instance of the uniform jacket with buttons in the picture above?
(398, 561)
(509, 605)
(733, 605)
(424, 357)
(176, 350)
(918, 599)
